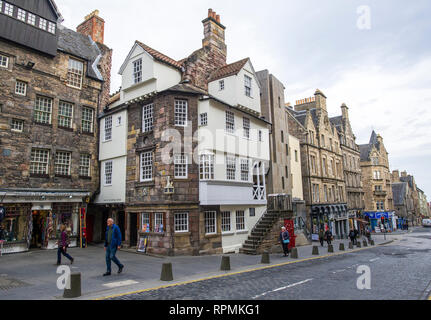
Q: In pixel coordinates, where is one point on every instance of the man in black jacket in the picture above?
(328, 236)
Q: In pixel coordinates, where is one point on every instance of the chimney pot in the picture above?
(210, 13)
(218, 18)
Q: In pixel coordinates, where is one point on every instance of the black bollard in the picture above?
(75, 286)
(166, 274)
(330, 248)
(315, 250)
(294, 253)
(225, 263)
(342, 247)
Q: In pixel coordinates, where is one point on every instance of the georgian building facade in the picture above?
(53, 82)
(322, 166)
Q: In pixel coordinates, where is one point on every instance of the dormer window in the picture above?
(21, 15)
(137, 70)
(75, 72)
(8, 9)
(247, 85)
(221, 85)
(42, 23)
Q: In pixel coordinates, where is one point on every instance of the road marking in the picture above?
(372, 260)
(282, 288)
(336, 271)
(120, 283)
(240, 272)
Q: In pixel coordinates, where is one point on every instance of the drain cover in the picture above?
(7, 283)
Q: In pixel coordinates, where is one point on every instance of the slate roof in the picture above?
(83, 47)
(399, 191)
(228, 70)
(337, 122)
(408, 179)
(160, 56)
(366, 148)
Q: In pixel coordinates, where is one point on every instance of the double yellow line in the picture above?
(233, 273)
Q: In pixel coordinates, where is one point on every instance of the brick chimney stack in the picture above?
(214, 32)
(93, 26)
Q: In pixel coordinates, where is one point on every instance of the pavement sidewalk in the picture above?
(32, 275)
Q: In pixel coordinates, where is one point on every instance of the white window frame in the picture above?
(181, 112)
(146, 219)
(246, 127)
(240, 215)
(108, 173)
(40, 159)
(221, 85)
(203, 119)
(180, 166)
(210, 222)
(51, 27)
(21, 88)
(43, 110)
(148, 118)
(107, 129)
(31, 19)
(137, 71)
(146, 166)
(226, 221)
(230, 168)
(85, 164)
(62, 164)
(21, 15)
(43, 23)
(85, 121)
(245, 169)
(75, 73)
(206, 167)
(63, 118)
(17, 125)
(8, 9)
(247, 86)
(4, 61)
(181, 222)
(158, 219)
(230, 122)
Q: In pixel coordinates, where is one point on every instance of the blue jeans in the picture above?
(60, 252)
(110, 255)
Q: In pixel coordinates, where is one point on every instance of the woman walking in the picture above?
(285, 239)
(63, 243)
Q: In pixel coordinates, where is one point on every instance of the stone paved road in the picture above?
(398, 271)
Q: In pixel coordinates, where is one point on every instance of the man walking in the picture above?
(352, 236)
(328, 236)
(112, 243)
(321, 236)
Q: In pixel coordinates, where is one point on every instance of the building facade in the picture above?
(352, 167)
(423, 207)
(376, 181)
(53, 83)
(322, 166)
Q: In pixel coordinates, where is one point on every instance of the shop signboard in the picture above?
(143, 242)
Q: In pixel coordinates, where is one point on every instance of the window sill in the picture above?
(43, 124)
(84, 177)
(63, 176)
(87, 133)
(242, 232)
(73, 87)
(211, 235)
(34, 175)
(142, 184)
(182, 234)
(228, 233)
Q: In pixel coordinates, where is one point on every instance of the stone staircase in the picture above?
(258, 233)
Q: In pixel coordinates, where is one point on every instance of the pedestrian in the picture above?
(285, 239)
(328, 236)
(321, 236)
(368, 233)
(63, 244)
(356, 235)
(352, 236)
(407, 225)
(112, 243)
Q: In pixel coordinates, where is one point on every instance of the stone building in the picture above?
(53, 82)
(376, 181)
(351, 165)
(181, 193)
(424, 210)
(322, 166)
(411, 183)
(403, 200)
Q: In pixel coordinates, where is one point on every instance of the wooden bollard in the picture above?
(166, 274)
(225, 263)
(294, 253)
(75, 286)
(265, 257)
(342, 247)
(330, 248)
(315, 250)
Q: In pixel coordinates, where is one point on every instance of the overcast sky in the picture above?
(381, 73)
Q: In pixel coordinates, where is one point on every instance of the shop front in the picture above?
(381, 221)
(333, 217)
(32, 220)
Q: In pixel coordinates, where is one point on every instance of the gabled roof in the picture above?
(54, 6)
(337, 122)
(228, 70)
(159, 56)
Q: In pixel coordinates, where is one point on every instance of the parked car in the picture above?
(426, 222)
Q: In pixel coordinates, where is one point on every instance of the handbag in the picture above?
(286, 241)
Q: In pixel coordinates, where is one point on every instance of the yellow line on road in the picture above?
(235, 273)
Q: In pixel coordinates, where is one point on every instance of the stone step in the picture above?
(252, 242)
(248, 251)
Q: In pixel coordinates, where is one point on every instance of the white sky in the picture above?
(382, 74)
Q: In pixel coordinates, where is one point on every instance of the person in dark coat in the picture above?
(112, 243)
(285, 239)
(321, 236)
(356, 235)
(352, 236)
(328, 236)
(63, 244)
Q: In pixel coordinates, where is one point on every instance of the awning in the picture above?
(361, 221)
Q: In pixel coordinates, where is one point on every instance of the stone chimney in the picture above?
(345, 111)
(320, 100)
(395, 176)
(214, 32)
(93, 26)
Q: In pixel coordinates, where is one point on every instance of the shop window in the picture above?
(181, 222)
(14, 226)
(153, 222)
(65, 214)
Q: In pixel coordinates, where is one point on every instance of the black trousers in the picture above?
(285, 248)
(321, 241)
